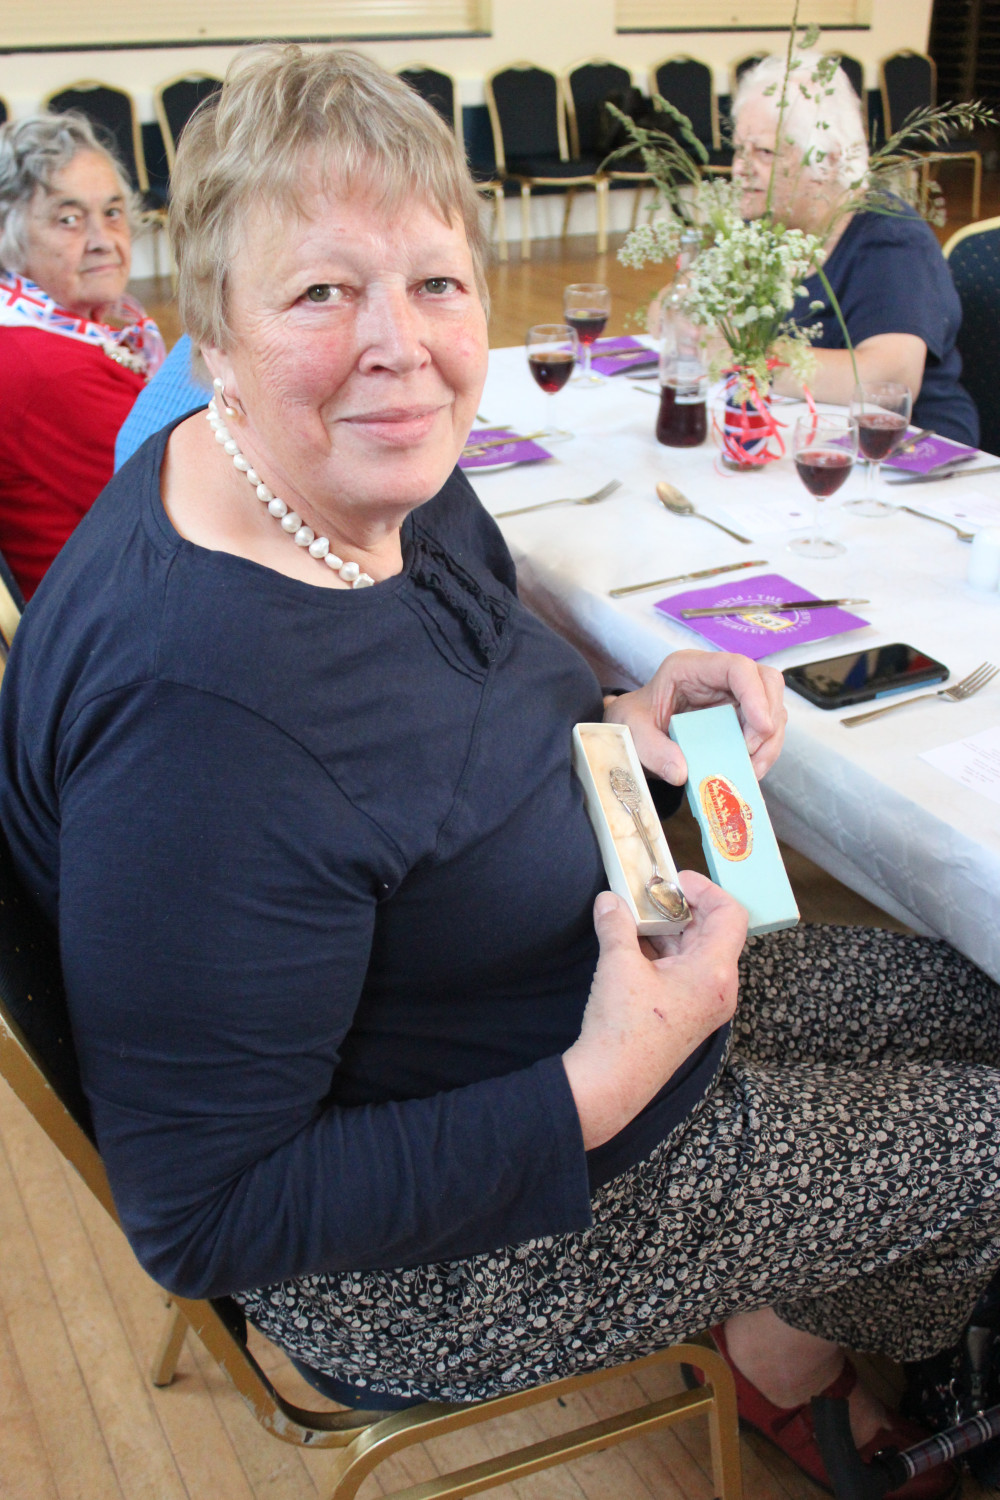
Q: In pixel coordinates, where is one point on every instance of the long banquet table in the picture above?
(860, 802)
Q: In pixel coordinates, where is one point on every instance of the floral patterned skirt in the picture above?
(844, 1168)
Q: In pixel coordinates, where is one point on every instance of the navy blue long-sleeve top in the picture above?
(889, 276)
(323, 883)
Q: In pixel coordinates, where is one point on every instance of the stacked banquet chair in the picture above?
(441, 92)
(686, 83)
(588, 88)
(531, 144)
(176, 101)
(908, 82)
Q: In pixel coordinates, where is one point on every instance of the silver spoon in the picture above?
(670, 496)
(665, 895)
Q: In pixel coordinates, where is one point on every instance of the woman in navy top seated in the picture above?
(886, 268)
(289, 764)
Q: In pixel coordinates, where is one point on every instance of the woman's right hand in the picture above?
(652, 1002)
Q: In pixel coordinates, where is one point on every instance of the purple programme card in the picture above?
(605, 362)
(761, 634)
(516, 451)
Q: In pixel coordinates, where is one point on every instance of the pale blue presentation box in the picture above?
(736, 834)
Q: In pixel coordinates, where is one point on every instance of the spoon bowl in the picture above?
(679, 505)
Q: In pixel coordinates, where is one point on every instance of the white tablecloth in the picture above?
(860, 802)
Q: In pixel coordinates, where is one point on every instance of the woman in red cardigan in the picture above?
(74, 350)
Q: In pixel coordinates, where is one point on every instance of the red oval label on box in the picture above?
(729, 818)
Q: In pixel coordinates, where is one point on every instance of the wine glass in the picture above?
(552, 350)
(882, 409)
(586, 307)
(824, 449)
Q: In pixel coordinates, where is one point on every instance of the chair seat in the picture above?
(577, 168)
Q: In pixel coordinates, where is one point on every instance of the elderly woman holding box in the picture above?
(290, 764)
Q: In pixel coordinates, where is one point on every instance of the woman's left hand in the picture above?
(699, 679)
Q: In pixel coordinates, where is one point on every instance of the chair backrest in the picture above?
(526, 113)
(855, 71)
(588, 87)
(176, 101)
(740, 66)
(438, 89)
(687, 84)
(113, 111)
(973, 255)
(907, 81)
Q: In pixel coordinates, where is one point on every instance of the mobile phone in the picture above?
(862, 675)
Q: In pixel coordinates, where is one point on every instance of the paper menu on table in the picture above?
(963, 506)
(975, 762)
(759, 635)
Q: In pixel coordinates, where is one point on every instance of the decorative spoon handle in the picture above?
(623, 784)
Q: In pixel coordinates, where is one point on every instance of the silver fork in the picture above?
(601, 494)
(983, 674)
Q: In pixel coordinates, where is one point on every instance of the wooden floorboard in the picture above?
(79, 1419)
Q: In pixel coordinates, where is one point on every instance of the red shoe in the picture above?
(790, 1428)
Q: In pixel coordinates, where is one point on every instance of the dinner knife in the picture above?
(659, 583)
(763, 606)
(943, 474)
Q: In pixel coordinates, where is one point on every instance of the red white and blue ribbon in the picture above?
(23, 304)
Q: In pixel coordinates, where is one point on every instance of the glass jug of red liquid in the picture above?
(683, 417)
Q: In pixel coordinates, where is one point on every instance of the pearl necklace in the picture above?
(290, 520)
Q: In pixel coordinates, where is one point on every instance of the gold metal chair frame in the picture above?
(973, 157)
(965, 233)
(363, 1438)
(10, 618)
(598, 181)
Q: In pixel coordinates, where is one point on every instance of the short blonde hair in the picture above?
(822, 117)
(280, 113)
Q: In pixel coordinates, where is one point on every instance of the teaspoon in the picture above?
(665, 895)
(670, 496)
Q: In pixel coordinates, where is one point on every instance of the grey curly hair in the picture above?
(32, 150)
(281, 113)
(822, 116)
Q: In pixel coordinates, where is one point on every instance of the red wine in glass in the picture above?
(588, 322)
(882, 410)
(822, 471)
(586, 308)
(683, 418)
(880, 433)
(551, 368)
(824, 450)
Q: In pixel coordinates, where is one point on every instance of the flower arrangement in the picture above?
(744, 282)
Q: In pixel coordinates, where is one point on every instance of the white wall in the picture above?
(556, 33)
(553, 32)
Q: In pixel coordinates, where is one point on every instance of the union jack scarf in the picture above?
(140, 346)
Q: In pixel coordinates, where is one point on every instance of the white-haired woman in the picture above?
(289, 762)
(74, 350)
(886, 268)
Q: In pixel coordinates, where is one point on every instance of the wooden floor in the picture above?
(79, 1419)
